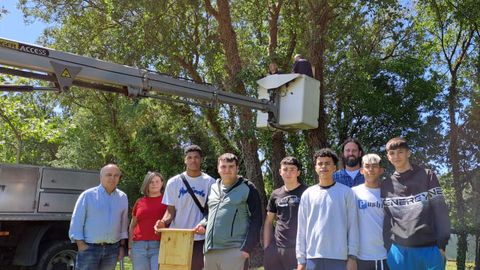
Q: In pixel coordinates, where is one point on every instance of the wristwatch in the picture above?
(353, 257)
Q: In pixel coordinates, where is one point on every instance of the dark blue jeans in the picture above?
(144, 254)
(98, 257)
(326, 264)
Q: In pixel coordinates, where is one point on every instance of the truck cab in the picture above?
(36, 205)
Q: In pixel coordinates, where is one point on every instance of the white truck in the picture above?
(36, 205)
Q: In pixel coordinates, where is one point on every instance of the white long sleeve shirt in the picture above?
(327, 224)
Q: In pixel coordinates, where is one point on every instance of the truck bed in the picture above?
(41, 193)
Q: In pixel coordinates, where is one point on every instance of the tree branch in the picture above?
(210, 9)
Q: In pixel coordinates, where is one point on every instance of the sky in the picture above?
(13, 26)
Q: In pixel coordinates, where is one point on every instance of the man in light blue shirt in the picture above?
(352, 153)
(99, 224)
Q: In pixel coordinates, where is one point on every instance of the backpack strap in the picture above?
(190, 191)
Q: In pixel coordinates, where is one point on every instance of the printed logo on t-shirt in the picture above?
(363, 204)
(184, 191)
(414, 199)
(288, 201)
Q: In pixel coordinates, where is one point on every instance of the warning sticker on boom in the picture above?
(23, 47)
(66, 74)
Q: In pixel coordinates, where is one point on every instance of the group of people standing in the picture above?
(353, 220)
(349, 220)
(227, 227)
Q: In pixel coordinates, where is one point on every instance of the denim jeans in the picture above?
(97, 257)
(144, 255)
(326, 264)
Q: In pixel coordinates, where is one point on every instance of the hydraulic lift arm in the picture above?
(66, 69)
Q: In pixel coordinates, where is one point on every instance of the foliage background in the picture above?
(387, 68)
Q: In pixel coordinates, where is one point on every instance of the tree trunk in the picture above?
(462, 246)
(477, 249)
(476, 183)
(19, 150)
(211, 115)
(216, 127)
(457, 182)
(278, 141)
(319, 18)
(476, 220)
(278, 153)
(248, 140)
(273, 15)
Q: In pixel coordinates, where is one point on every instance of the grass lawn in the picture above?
(127, 264)
(451, 265)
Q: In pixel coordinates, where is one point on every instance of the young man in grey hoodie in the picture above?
(232, 227)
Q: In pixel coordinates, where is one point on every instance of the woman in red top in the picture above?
(143, 242)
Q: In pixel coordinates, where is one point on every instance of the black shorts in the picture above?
(372, 265)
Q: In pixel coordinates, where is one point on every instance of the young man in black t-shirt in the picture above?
(279, 247)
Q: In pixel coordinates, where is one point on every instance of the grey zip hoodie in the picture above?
(234, 216)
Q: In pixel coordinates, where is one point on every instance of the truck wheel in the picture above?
(57, 255)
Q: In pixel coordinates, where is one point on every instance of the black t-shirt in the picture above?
(285, 205)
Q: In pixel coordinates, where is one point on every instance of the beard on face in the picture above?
(351, 161)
